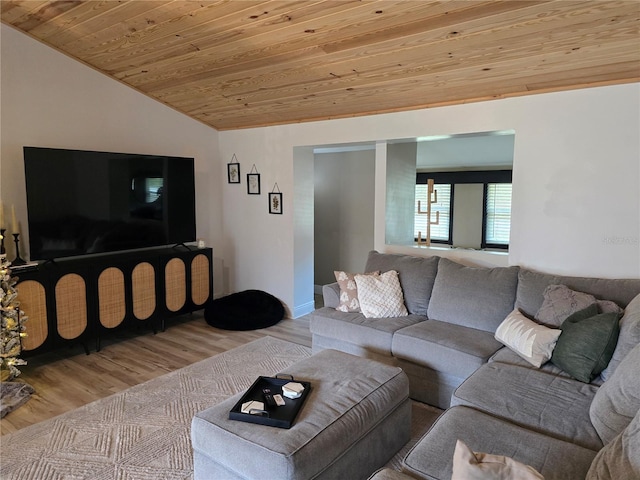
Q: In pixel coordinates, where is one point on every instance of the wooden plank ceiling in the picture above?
(245, 63)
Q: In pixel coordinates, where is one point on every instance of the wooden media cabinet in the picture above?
(81, 299)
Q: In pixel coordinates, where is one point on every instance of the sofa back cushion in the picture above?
(473, 297)
(531, 287)
(617, 401)
(416, 274)
(629, 336)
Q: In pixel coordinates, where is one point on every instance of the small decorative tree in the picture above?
(12, 323)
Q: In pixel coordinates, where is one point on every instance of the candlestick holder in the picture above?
(2, 250)
(17, 260)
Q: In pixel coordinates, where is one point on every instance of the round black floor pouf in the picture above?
(248, 310)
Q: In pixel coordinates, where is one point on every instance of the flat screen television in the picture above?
(84, 202)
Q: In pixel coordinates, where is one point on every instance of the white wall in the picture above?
(343, 214)
(576, 202)
(50, 100)
(400, 193)
(468, 205)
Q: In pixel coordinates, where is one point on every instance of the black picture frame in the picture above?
(253, 183)
(275, 203)
(233, 172)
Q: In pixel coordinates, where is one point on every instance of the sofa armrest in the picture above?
(331, 295)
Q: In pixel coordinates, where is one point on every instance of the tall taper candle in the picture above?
(1, 215)
(14, 222)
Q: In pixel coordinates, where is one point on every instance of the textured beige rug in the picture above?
(143, 433)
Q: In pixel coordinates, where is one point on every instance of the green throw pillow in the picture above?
(586, 343)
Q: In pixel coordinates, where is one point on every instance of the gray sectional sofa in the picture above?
(496, 401)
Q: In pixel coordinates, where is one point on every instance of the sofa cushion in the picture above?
(532, 341)
(620, 458)
(531, 286)
(381, 295)
(474, 297)
(371, 333)
(554, 405)
(586, 343)
(445, 347)
(468, 464)
(629, 336)
(618, 399)
(506, 355)
(432, 456)
(416, 274)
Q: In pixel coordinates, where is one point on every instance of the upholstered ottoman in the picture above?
(356, 417)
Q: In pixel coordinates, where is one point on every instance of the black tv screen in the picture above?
(83, 202)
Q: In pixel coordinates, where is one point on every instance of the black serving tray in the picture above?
(281, 417)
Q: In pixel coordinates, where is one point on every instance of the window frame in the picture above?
(484, 177)
(484, 243)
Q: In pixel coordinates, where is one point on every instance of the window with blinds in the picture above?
(440, 232)
(497, 214)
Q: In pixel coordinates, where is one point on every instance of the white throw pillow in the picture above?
(470, 465)
(381, 296)
(530, 340)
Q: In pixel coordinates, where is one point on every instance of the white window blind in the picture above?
(440, 231)
(498, 220)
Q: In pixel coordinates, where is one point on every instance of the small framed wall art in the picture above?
(275, 203)
(233, 170)
(253, 182)
(275, 200)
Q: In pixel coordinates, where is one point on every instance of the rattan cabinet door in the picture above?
(200, 279)
(143, 290)
(71, 306)
(33, 302)
(175, 281)
(111, 297)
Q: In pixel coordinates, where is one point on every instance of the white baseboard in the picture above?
(303, 309)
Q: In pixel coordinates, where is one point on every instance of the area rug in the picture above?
(143, 433)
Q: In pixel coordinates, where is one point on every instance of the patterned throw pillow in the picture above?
(381, 296)
(533, 342)
(348, 291)
(560, 302)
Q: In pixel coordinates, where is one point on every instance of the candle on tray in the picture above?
(1, 215)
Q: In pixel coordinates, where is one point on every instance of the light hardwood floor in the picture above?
(68, 378)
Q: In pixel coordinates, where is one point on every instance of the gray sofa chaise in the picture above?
(496, 401)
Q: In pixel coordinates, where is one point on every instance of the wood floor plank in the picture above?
(67, 378)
